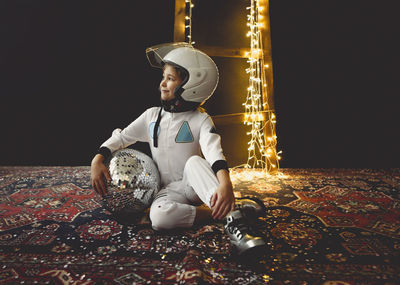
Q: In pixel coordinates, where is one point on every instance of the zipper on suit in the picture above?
(167, 144)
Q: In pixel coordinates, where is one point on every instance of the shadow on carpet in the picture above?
(327, 226)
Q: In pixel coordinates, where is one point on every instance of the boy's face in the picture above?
(169, 82)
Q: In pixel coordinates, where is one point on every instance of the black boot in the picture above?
(251, 207)
(243, 240)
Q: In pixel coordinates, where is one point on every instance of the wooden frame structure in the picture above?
(223, 51)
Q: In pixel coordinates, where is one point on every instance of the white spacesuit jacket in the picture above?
(187, 179)
(180, 136)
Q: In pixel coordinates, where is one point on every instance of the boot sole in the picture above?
(255, 246)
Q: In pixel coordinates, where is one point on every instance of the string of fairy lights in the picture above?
(258, 116)
(188, 19)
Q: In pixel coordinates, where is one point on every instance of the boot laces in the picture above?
(237, 229)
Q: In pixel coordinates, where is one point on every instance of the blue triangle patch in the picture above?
(185, 134)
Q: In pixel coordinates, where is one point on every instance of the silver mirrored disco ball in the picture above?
(135, 181)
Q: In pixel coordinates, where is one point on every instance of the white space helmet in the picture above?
(203, 73)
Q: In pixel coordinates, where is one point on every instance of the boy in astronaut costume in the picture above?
(179, 134)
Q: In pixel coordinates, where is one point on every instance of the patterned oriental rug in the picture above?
(327, 226)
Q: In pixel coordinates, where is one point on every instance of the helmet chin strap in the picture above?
(171, 105)
(178, 104)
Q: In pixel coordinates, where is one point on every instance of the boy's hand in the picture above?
(222, 201)
(99, 174)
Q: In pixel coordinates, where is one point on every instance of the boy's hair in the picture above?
(183, 74)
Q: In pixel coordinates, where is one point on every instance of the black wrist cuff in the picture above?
(104, 151)
(218, 165)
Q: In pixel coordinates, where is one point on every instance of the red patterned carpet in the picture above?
(322, 227)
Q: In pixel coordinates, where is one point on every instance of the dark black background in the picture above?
(72, 71)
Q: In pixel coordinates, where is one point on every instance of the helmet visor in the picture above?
(156, 54)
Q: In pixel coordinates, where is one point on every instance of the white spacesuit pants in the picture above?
(174, 205)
